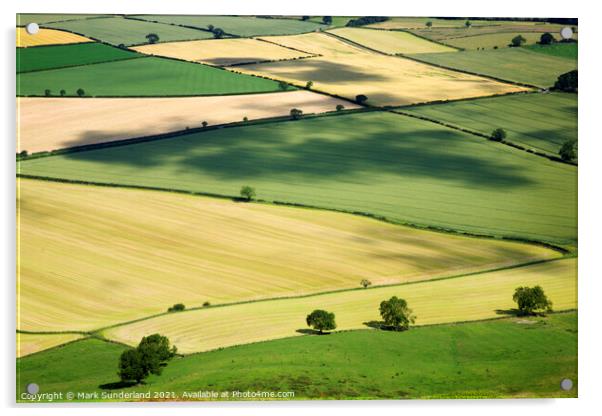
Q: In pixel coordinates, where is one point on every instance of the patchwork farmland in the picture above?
(215, 179)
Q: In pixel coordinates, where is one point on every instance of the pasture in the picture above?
(165, 248)
(31, 343)
(478, 359)
(385, 164)
(222, 52)
(143, 77)
(119, 30)
(52, 57)
(40, 18)
(492, 40)
(47, 37)
(390, 42)
(242, 26)
(448, 33)
(562, 50)
(512, 64)
(55, 123)
(469, 298)
(539, 121)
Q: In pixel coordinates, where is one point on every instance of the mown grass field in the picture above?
(222, 52)
(55, 123)
(47, 37)
(51, 57)
(147, 76)
(562, 50)
(347, 71)
(167, 248)
(244, 26)
(398, 167)
(539, 121)
(391, 42)
(119, 30)
(468, 298)
(502, 358)
(31, 343)
(39, 18)
(512, 64)
(492, 40)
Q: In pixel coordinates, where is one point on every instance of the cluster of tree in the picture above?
(568, 150)
(366, 20)
(80, 92)
(149, 357)
(531, 300)
(567, 82)
(152, 38)
(176, 308)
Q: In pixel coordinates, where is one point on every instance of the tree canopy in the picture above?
(396, 314)
(149, 357)
(321, 320)
(531, 300)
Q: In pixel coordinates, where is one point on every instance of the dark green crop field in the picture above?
(147, 76)
(51, 57)
(404, 169)
(239, 25)
(117, 30)
(562, 50)
(539, 121)
(503, 358)
(511, 64)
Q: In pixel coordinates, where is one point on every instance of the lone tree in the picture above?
(321, 320)
(204, 124)
(309, 84)
(47, 92)
(247, 192)
(568, 150)
(429, 24)
(210, 28)
(152, 38)
(567, 82)
(546, 39)
(498, 135)
(327, 20)
(296, 114)
(518, 41)
(63, 92)
(340, 107)
(361, 99)
(80, 92)
(396, 314)
(468, 24)
(365, 283)
(531, 300)
(149, 357)
(218, 33)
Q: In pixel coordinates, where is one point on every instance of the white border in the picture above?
(590, 207)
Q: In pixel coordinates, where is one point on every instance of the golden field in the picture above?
(390, 42)
(30, 343)
(347, 71)
(55, 123)
(467, 298)
(90, 257)
(47, 37)
(221, 52)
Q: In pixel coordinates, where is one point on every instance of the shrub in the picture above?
(498, 135)
(176, 308)
(321, 320)
(365, 283)
(245, 119)
(531, 300)
(206, 303)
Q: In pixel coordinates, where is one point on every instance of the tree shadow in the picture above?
(509, 312)
(117, 385)
(381, 325)
(307, 331)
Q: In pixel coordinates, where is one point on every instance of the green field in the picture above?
(40, 18)
(244, 26)
(149, 76)
(50, 57)
(562, 50)
(502, 358)
(117, 30)
(538, 121)
(402, 168)
(511, 64)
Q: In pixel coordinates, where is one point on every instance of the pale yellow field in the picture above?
(47, 37)
(92, 256)
(460, 299)
(390, 42)
(54, 123)
(221, 52)
(315, 43)
(30, 343)
(385, 80)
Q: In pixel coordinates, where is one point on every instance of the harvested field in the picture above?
(222, 52)
(47, 37)
(55, 123)
(92, 257)
(315, 43)
(467, 298)
(390, 42)
(30, 343)
(490, 41)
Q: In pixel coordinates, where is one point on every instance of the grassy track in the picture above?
(31, 343)
(391, 42)
(562, 50)
(381, 163)
(117, 30)
(149, 76)
(512, 64)
(51, 57)
(244, 26)
(167, 248)
(47, 37)
(466, 298)
(503, 358)
(539, 121)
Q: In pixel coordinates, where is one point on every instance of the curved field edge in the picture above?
(474, 297)
(166, 248)
(28, 343)
(486, 359)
